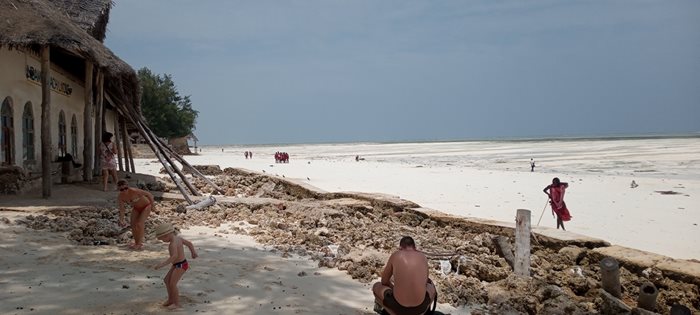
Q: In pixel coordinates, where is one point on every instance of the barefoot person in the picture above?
(141, 205)
(108, 159)
(555, 191)
(411, 292)
(166, 233)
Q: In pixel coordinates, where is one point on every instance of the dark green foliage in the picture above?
(168, 114)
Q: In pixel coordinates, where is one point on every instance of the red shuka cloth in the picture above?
(557, 194)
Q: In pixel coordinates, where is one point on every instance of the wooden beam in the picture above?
(118, 140)
(98, 124)
(88, 149)
(45, 122)
(131, 153)
(125, 138)
(522, 243)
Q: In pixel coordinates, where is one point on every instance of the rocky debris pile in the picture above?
(245, 186)
(154, 186)
(359, 238)
(12, 179)
(209, 170)
(84, 226)
(358, 235)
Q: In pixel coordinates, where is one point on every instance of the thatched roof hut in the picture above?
(69, 34)
(31, 24)
(90, 15)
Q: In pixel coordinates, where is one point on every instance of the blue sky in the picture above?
(335, 71)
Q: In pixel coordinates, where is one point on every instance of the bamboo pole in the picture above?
(87, 124)
(45, 122)
(122, 129)
(118, 141)
(98, 124)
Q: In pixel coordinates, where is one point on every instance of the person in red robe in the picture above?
(555, 191)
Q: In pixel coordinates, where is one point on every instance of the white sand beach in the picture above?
(43, 273)
(491, 179)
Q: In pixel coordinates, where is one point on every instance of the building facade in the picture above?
(20, 92)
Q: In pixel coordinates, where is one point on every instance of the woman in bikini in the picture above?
(141, 203)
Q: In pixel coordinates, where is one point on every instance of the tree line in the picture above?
(169, 115)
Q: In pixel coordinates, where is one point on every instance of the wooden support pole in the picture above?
(610, 276)
(504, 249)
(163, 159)
(98, 124)
(88, 149)
(131, 153)
(522, 243)
(45, 122)
(647, 296)
(137, 118)
(159, 145)
(194, 170)
(118, 142)
(161, 150)
(122, 130)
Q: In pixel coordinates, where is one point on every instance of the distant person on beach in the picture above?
(141, 205)
(167, 233)
(246, 154)
(108, 159)
(411, 292)
(532, 165)
(555, 191)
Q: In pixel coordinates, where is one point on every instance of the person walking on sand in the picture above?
(166, 232)
(411, 292)
(142, 204)
(108, 159)
(532, 165)
(555, 191)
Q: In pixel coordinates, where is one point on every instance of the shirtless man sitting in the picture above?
(410, 293)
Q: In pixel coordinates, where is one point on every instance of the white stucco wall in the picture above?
(14, 84)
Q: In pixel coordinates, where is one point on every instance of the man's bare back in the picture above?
(410, 271)
(410, 292)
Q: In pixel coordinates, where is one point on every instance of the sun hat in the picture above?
(163, 229)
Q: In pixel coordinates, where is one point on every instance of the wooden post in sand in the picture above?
(45, 122)
(98, 126)
(118, 141)
(610, 276)
(87, 124)
(522, 243)
(125, 144)
(131, 153)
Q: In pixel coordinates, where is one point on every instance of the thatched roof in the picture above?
(34, 23)
(90, 15)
